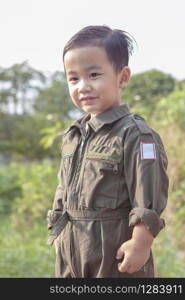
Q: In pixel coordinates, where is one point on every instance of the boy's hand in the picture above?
(134, 256)
(136, 251)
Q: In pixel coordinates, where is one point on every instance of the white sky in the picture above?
(37, 30)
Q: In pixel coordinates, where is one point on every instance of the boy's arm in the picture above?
(136, 251)
(147, 184)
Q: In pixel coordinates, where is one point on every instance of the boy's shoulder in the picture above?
(141, 124)
(139, 129)
(134, 124)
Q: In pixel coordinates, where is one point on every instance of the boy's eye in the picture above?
(94, 75)
(73, 79)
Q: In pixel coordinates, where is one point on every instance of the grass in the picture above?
(27, 255)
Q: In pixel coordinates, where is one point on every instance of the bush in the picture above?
(9, 188)
(38, 183)
(23, 233)
(25, 256)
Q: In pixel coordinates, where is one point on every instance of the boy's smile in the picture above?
(94, 85)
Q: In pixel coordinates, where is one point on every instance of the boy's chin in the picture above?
(89, 110)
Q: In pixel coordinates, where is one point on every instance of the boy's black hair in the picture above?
(117, 43)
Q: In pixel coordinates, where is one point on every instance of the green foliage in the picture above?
(54, 99)
(50, 134)
(23, 234)
(41, 109)
(17, 83)
(9, 189)
(38, 182)
(167, 257)
(22, 134)
(147, 88)
(171, 109)
(25, 256)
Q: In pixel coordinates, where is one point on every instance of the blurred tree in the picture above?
(44, 108)
(171, 109)
(54, 100)
(180, 85)
(18, 85)
(20, 137)
(146, 88)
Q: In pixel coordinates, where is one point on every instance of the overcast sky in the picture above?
(37, 30)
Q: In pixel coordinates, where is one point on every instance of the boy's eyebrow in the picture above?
(92, 67)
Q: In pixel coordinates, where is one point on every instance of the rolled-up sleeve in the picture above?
(145, 162)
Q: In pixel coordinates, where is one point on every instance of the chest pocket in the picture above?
(107, 160)
(102, 174)
(68, 150)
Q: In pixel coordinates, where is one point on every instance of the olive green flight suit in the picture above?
(110, 178)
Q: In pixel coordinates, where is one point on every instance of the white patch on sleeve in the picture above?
(148, 150)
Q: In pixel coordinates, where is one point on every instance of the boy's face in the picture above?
(94, 86)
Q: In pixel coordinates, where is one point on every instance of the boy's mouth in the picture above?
(87, 98)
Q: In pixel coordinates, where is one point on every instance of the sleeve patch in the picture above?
(147, 150)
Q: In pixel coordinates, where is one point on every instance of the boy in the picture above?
(112, 179)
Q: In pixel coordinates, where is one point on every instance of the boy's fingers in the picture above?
(124, 266)
(122, 250)
(119, 253)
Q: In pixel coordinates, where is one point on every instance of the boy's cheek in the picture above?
(71, 91)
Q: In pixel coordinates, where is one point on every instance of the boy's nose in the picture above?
(84, 86)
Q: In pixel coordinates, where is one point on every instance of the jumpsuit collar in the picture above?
(109, 116)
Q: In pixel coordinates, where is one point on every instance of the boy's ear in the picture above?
(124, 77)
